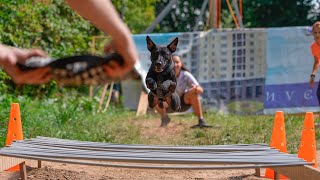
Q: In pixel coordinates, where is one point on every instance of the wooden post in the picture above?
(39, 164)
(102, 96)
(143, 104)
(109, 97)
(276, 176)
(23, 171)
(257, 172)
(212, 14)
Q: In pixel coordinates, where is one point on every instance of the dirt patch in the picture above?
(159, 135)
(58, 171)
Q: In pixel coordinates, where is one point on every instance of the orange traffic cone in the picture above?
(14, 129)
(307, 149)
(278, 140)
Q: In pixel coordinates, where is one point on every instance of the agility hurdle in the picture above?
(238, 156)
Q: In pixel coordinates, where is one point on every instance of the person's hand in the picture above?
(194, 89)
(127, 50)
(10, 56)
(311, 82)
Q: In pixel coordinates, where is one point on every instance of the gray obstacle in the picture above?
(155, 157)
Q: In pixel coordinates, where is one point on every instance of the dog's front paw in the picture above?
(169, 86)
(151, 84)
(172, 86)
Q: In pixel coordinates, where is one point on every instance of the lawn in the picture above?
(73, 116)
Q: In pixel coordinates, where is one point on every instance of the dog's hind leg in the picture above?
(151, 100)
(175, 102)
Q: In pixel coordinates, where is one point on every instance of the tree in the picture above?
(137, 14)
(53, 26)
(182, 17)
(257, 13)
(266, 13)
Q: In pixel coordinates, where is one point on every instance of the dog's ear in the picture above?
(173, 45)
(150, 44)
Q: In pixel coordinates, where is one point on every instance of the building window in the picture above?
(214, 92)
(223, 84)
(258, 91)
(239, 36)
(223, 68)
(224, 60)
(239, 60)
(249, 92)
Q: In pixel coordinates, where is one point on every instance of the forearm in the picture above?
(103, 15)
(315, 66)
(199, 89)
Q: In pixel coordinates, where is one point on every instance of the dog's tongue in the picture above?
(158, 69)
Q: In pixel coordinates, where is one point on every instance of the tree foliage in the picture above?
(53, 26)
(258, 13)
(266, 13)
(137, 14)
(182, 17)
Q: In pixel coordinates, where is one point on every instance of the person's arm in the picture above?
(194, 84)
(314, 71)
(104, 16)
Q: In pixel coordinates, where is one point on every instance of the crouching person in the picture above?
(189, 91)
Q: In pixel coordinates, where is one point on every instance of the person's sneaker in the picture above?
(165, 121)
(201, 124)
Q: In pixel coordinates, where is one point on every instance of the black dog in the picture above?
(161, 79)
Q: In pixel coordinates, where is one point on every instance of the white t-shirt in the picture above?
(184, 82)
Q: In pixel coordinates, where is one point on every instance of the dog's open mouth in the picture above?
(157, 69)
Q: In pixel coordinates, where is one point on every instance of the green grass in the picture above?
(74, 116)
(245, 107)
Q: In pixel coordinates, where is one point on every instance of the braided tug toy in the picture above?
(76, 70)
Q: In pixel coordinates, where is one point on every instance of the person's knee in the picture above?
(192, 98)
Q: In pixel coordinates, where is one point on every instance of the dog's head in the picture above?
(161, 55)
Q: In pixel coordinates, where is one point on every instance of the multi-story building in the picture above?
(229, 64)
